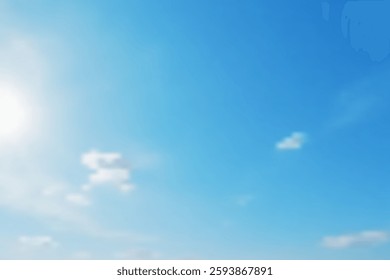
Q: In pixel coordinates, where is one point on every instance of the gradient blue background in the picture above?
(203, 91)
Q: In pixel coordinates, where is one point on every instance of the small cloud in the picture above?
(293, 142)
(109, 175)
(108, 169)
(38, 241)
(95, 160)
(78, 199)
(364, 237)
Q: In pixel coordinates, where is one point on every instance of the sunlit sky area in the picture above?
(194, 129)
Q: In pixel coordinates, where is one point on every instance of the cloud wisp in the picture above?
(293, 142)
(78, 199)
(352, 107)
(55, 202)
(37, 195)
(361, 238)
(43, 241)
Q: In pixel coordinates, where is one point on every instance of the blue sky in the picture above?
(194, 129)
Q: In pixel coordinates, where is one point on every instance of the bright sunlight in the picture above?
(13, 114)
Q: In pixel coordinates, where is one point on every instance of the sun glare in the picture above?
(13, 115)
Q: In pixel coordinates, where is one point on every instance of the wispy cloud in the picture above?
(352, 107)
(107, 169)
(361, 238)
(43, 241)
(363, 100)
(37, 195)
(78, 199)
(293, 142)
(53, 201)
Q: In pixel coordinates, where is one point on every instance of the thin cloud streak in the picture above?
(361, 238)
(38, 241)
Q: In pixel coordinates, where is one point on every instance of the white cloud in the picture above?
(53, 205)
(38, 241)
(56, 205)
(364, 237)
(78, 199)
(293, 142)
(109, 175)
(36, 195)
(95, 160)
(108, 169)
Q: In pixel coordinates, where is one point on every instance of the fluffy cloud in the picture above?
(364, 237)
(107, 169)
(95, 160)
(293, 142)
(57, 205)
(38, 241)
(109, 175)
